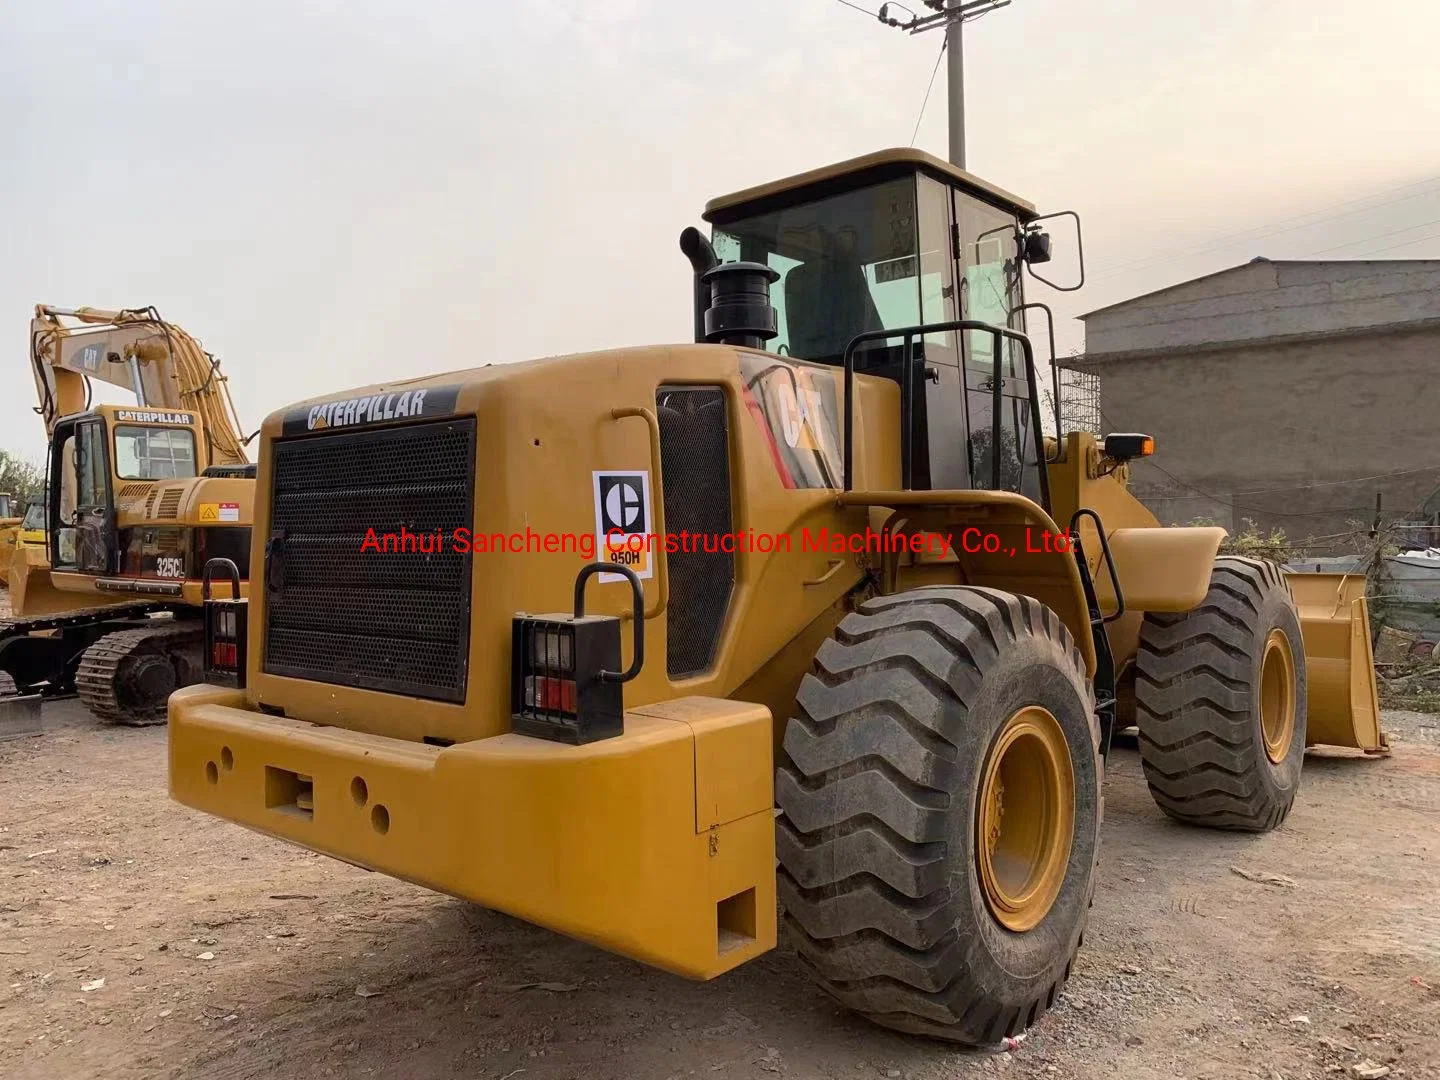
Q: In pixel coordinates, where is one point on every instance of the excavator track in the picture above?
(127, 676)
(65, 636)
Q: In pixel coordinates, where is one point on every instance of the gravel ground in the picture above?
(227, 954)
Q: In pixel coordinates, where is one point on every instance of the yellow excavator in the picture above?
(603, 640)
(138, 497)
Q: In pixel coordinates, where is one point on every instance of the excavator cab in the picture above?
(111, 459)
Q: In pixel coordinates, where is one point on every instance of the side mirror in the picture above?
(1035, 249)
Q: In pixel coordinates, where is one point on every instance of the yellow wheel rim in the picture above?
(1277, 696)
(1026, 820)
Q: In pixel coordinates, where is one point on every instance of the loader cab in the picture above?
(97, 454)
(894, 240)
(32, 528)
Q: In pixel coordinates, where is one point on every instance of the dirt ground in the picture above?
(227, 954)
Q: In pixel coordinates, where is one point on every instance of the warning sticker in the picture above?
(227, 511)
(623, 522)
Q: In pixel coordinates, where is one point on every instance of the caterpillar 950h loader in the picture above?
(138, 498)
(859, 603)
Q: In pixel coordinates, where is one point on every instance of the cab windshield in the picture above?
(34, 517)
(848, 264)
(154, 453)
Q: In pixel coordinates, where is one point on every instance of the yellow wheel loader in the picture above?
(32, 526)
(138, 498)
(9, 528)
(602, 640)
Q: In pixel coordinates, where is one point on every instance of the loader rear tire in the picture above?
(1220, 701)
(940, 798)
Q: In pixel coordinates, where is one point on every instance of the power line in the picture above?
(1337, 483)
(928, 87)
(1224, 501)
(857, 7)
(1381, 236)
(1252, 509)
(1397, 247)
(1266, 229)
(1261, 232)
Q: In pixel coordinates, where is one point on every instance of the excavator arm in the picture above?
(137, 350)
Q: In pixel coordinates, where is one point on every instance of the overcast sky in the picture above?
(331, 194)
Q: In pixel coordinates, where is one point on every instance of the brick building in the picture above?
(1289, 393)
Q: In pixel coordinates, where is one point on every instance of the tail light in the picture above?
(565, 669)
(225, 627)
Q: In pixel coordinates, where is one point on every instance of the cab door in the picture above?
(988, 270)
(84, 536)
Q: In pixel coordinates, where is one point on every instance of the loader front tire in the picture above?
(1220, 701)
(940, 798)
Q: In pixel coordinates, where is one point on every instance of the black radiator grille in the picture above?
(392, 621)
(695, 464)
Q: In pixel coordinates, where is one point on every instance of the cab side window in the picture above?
(90, 465)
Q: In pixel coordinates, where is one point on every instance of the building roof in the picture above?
(1252, 262)
(1266, 302)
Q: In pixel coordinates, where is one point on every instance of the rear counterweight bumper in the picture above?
(658, 844)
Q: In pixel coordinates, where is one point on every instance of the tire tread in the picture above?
(1199, 741)
(865, 865)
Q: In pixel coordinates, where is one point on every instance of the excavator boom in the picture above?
(139, 351)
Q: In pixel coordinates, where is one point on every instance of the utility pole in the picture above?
(952, 15)
(955, 69)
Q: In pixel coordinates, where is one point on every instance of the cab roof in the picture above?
(881, 165)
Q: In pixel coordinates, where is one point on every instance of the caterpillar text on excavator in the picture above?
(138, 498)
(847, 611)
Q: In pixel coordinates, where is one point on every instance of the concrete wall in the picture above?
(1237, 422)
(1268, 300)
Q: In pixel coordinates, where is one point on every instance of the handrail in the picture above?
(1054, 362)
(662, 573)
(908, 334)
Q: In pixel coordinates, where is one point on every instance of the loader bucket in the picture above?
(31, 592)
(1343, 705)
